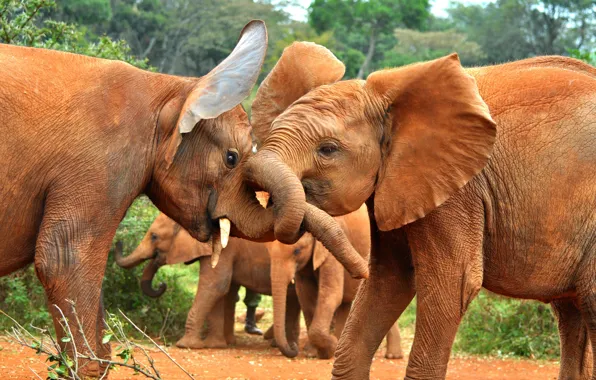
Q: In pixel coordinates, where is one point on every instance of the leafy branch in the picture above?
(132, 355)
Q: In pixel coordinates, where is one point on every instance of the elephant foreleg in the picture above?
(379, 302)
(587, 305)
(331, 285)
(70, 261)
(230, 314)
(576, 353)
(214, 283)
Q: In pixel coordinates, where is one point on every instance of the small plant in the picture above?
(132, 355)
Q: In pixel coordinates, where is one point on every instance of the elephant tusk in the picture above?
(224, 229)
(293, 281)
(216, 249)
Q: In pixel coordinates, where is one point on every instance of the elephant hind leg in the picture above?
(394, 343)
(587, 305)
(576, 353)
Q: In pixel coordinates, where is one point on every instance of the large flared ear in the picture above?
(320, 254)
(227, 85)
(441, 135)
(302, 67)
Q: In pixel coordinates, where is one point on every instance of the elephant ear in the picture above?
(185, 249)
(441, 135)
(226, 86)
(319, 255)
(302, 67)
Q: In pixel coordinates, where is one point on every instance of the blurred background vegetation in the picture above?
(189, 37)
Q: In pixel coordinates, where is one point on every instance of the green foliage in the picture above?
(166, 314)
(22, 23)
(414, 46)
(586, 56)
(363, 29)
(515, 29)
(494, 325)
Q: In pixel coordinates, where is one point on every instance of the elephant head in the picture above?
(406, 138)
(165, 243)
(203, 139)
(286, 260)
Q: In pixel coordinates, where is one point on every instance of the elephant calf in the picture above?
(325, 289)
(242, 263)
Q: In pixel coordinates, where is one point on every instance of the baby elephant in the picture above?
(242, 263)
(325, 289)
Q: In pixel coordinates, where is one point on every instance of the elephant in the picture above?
(242, 263)
(474, 178)
(325, 290)
(83, 137)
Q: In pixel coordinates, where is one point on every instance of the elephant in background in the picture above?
(242, 263)
(474, 178)
(324, 288)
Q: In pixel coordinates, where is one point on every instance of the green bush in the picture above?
(499, 326)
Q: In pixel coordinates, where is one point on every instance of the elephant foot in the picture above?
(324, 344)
(310, 351)
(394, 354)
(197, 344)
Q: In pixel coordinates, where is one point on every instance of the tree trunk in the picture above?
(369, 55)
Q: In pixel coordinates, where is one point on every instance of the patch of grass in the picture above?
(504, 327)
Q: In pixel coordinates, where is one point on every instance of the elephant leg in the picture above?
(230, 314)
(70, 259)
(576, 355)
(447, 251)
(341, 316)
(306, 290)
(292, 319)
(214, 283)
(587, 305)
(394, 343)
(379, 302)
(215, 337)
(331, 285)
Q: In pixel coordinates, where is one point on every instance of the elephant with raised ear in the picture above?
(324, 288)
(473, 178)
(83, 137)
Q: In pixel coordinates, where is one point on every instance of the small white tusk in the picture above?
(293, 281)
(224, 229)
(216, 248)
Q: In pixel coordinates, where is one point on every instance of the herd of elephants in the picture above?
(428, 180)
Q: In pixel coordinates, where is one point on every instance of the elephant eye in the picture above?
(327, 149)
(297, 251)
(231, 158)
(153, 237)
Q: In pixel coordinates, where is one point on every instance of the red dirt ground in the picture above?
(252, 358)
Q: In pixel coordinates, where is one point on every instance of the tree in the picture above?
(363, 25)
(515, 29)
(415, 46)
(21, 23)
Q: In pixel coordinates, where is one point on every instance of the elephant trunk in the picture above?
(138, 256)
(147, 279)
(279, 289)
(291, 212)
(267, 171)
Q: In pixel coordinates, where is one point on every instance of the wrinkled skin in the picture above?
(324, 288)
(242, 263)
(506, 151)
(82, 137)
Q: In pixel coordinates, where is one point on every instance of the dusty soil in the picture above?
(253, 358)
